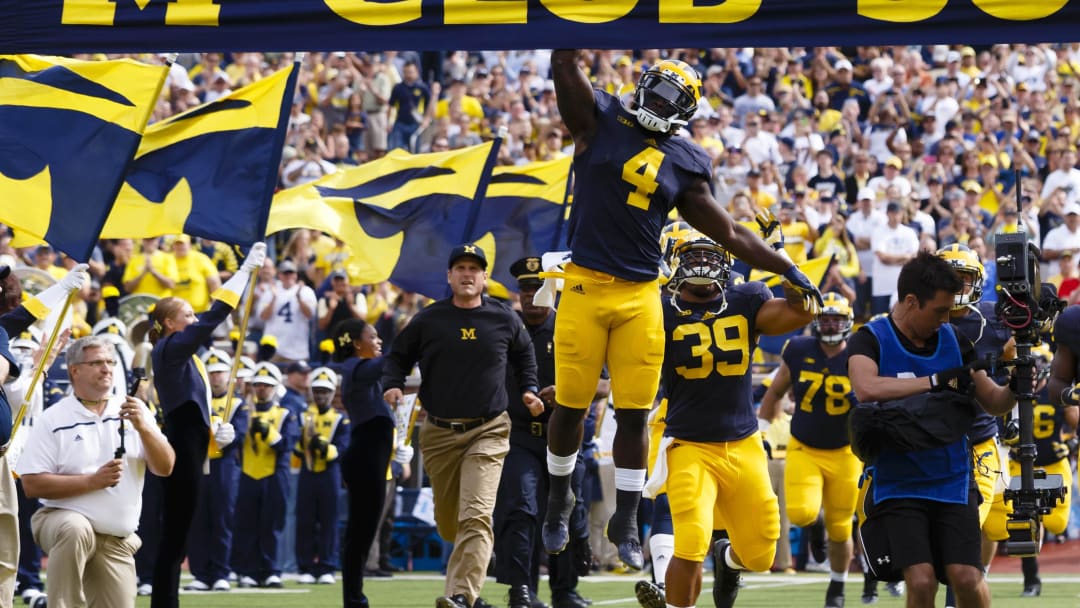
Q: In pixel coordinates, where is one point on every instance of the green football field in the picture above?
(775, 590)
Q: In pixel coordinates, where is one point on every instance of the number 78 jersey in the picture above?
(822, 392)
(706, 372)
(626, 182)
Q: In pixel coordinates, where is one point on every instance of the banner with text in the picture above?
(72, 26)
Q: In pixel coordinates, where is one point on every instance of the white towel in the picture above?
(659, 471)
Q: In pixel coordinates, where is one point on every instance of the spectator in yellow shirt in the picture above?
(197, 277)
(799, 236)
(456, 96)
(45, 261)
(761, 198)
(151, 272)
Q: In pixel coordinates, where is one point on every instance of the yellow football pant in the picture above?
(814, 476)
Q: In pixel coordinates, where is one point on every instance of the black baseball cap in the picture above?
(467, 249)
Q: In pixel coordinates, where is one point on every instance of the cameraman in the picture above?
(923, 526)
(977, 321)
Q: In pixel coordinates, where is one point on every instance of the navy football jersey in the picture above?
(823, 395)
(1067, 333)
(626, 181)
(1049, 421)
(706, 371)
(989, 335)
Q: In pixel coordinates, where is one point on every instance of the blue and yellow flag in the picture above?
(401, 214)
(210, 171)
(68, 130)
(521, 216)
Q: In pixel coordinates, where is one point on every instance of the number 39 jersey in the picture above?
(706, 371)
(822, 391)
(626, 181)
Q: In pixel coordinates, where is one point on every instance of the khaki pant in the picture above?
(783, 546)
(9, 534)
(465, 469)
(85, 568)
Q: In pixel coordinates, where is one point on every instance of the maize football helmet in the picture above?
(970, 270)
(667, 96)
(832, 324)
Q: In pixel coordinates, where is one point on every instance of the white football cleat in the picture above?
(327, 579)
(196, 585)
(221, 585)
(306, 579)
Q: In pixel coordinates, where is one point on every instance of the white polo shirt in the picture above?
(69, 439)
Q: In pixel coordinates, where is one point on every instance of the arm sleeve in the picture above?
(402, 356)
(182, 345)
(18, 320)
(864, 343)
(522, 356)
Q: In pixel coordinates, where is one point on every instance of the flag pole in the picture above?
(482, 185)
(39, 372)
(244, 318)
(567, 201)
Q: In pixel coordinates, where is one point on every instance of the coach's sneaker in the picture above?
(834, 596)
(221, 585)
(650, 595)
(327, 579)
(1032, 588)
(246, 582)
(556, 529)
(869, 590)
(196, 585)
(145, 589)
(726, 579)
(306, 579)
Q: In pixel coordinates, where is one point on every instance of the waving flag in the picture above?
(210, 171)
(400, 214)
(521, 216)
(68, 130)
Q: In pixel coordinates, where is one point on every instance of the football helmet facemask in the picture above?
(832, 325)
(667, 96)
(970, 270)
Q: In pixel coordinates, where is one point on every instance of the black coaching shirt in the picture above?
(463, 355)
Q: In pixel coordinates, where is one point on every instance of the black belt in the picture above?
(535, 428)
(461, 425)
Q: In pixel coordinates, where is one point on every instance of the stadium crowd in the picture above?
(869, 154)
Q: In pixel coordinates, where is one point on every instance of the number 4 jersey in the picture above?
(823, 394)
(706, 372)
(627, 180)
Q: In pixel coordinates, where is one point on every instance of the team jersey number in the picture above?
(640, 171)
(729, 335)
(836, 392)
(1044, 421)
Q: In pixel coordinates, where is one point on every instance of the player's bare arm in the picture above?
(697, 206)
(770, 403)
(1062, 373)
(995, 399)
(782, 315)
(574, 95)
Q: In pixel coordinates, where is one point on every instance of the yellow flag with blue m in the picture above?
(521, 216)
(68, 129)
(814, 270)
(210, 171)
(401, 214)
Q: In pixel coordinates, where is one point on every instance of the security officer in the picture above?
(324, 435)
(464, 345)
(522, 496)
(260, 506)
(210, 539)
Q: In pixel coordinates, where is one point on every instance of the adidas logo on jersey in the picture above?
(578, 288)
(78, 438)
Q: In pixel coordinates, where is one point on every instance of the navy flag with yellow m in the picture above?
(210, 171)
(400, 215)
(68, 130)
(521, 216)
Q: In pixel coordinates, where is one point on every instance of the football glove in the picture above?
(770, 229)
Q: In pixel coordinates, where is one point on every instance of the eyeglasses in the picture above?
(99, 363)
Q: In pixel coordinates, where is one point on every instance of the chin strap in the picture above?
(723, 303)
